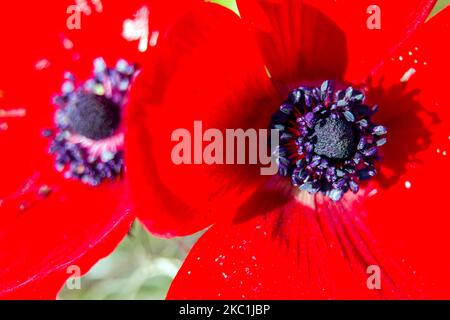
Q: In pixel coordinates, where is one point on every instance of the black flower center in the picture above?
(95, 117)
(91, 109)
(328, 143)
(334, 139)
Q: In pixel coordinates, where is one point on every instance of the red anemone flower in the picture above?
(63, 196)
(292, 65)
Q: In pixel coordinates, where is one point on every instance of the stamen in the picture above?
(328, 142)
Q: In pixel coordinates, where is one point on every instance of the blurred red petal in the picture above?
(408, 212)
(40, 50)
(328, 38)
(43, 234)
(298, 41)
(206, 68)
(319, 251)
(75, 224)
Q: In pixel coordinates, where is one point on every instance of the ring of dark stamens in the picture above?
(328, 143)
(91, 110)
(92, 116)
(334, 139)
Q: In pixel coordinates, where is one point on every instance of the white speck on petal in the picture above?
(373, 192)
(408, 74)
(14, 113)
(42, 64)
(138, 29)
(98, 5)
(408, 185)
(67, 44)
(86, 7)
(154, 38)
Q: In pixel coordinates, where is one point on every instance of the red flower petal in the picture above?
(41, 235)
(206, 68)
(287, 253)
(298, 41)
(312, 40)
(40, 50)
(294, 252)
(408, 213)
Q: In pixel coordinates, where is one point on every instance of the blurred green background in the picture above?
(143, 267)
(440, 5)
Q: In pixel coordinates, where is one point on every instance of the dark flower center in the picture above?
(87, 141)
(95, 117)
(328, 143)
(334, 139)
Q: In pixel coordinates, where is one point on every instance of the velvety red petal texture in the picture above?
(299, 252)
(409, 211)
(317, 251)
(39, 51)
(42, 234)
(298, 42)
(206, 68)
(316, 39)
(44, 238)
